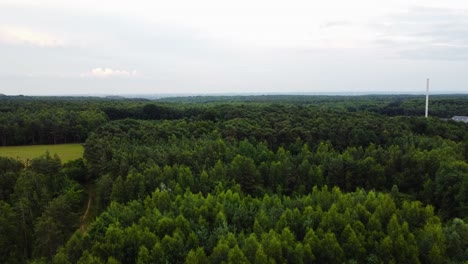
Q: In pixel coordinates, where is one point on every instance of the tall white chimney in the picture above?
(427, 97)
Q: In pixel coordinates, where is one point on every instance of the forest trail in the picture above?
(84, 220)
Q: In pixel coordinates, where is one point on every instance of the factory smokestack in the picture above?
(427, 97)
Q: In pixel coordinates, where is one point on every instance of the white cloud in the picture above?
(108, 72)
(26, 36)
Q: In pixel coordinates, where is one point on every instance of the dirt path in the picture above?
(84, 218)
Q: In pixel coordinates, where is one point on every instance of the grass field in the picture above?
(66, 152)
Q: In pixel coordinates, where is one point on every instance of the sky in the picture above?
(51, 47)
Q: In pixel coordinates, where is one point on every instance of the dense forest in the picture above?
(258, 179)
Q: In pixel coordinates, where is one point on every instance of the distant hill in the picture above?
(114, 97)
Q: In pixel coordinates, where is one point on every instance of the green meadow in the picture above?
(66, 152)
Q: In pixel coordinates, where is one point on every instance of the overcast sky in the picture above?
(244, 46)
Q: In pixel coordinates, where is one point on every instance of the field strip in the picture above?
(66, 152)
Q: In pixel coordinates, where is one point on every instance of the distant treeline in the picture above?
(392, 105)
(48, 125)
(51, 120)
(28, 120)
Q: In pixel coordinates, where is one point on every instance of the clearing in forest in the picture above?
(66, 152)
